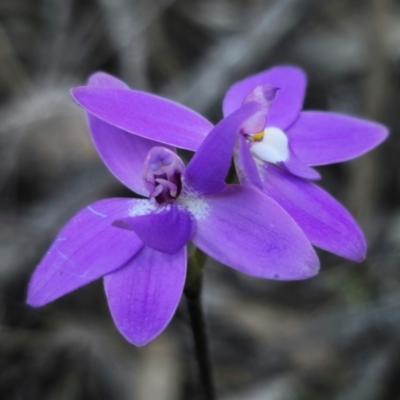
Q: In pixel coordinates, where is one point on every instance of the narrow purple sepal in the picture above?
(87, 248)
(246, 230)
(291, 82)
(298, 168)
(144, 295)
(326, 223)
(245, 164)
(123, 153)
(320, 138)
(145, 115)
(209, 166)
(167, 230)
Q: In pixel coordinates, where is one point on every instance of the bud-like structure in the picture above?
(263, 95)
(162, 174)
(266, 143)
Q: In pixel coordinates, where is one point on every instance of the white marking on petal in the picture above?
(63, 255)
(195, 203)
(197, 206)
(273, 148)
(90, 208)
(142, 208)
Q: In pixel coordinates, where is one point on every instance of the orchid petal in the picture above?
(320, 138)
(144, 295)
(246, 167)
(291, 82)
(145, 115)
(298, 168)
(167, 230)
(326, 223)
(87, 248)
(123, 153)
(208, 168)
(246, 230)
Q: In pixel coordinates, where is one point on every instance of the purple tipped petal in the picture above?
(298, 168)
(87, 248)
(208, 168)
(167, 230)
(145, 115)
(144, 295)
(320, 138)
(244, 229)
(101, 79)
(325, 222)
(291, 82)
(246, 167)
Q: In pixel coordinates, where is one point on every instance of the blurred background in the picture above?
(336, 336)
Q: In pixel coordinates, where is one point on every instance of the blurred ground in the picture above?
(336, 336)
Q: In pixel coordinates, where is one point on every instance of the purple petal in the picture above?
(246, 230)
(320, 138)
(208, 168)
(167, 230)
(289, 100)
(246, 167)
(144, 295)
(298, 168)
(145, 115)
(87, 248)
(101, 79)
(325, 222)
(123, 153)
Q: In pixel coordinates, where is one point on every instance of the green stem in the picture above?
(193, 289)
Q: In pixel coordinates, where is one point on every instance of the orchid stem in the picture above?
(193, 288)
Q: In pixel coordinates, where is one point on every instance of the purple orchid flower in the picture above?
(139, 245)
(278, 145)
(277, 151)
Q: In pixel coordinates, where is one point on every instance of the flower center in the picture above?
(257, 137)
(162, 174)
